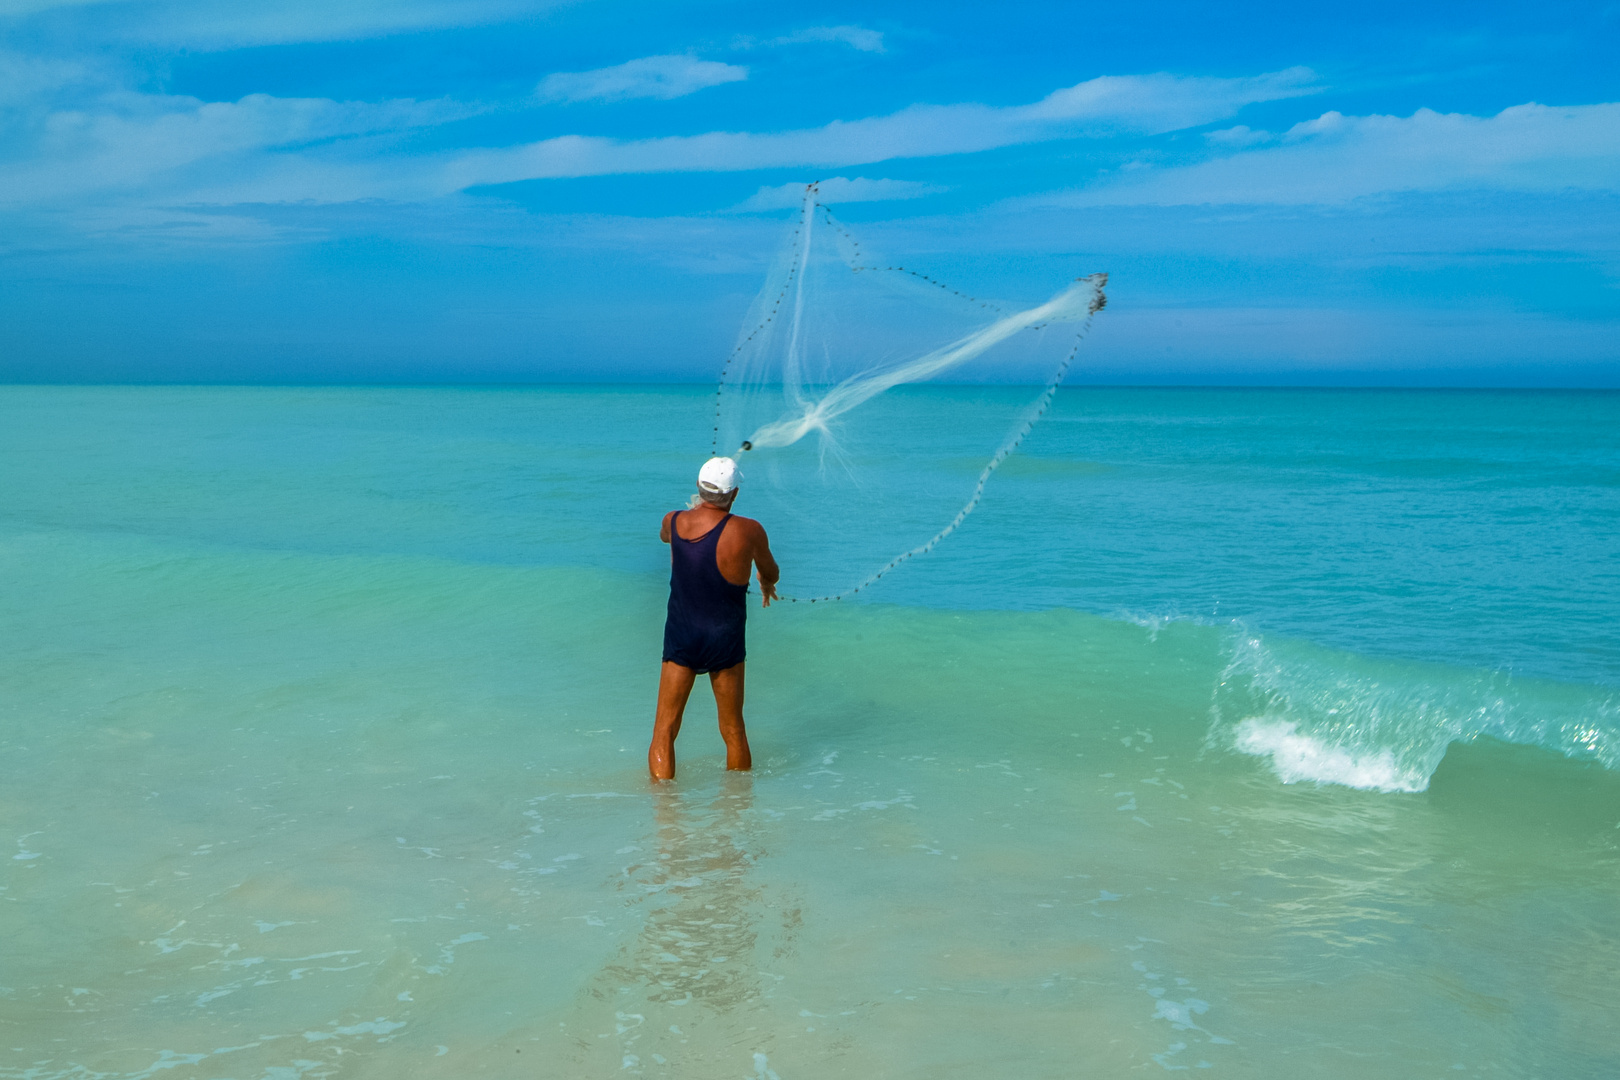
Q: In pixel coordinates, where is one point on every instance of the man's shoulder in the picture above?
(747, 524)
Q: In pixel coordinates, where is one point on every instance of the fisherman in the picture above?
(711, 553)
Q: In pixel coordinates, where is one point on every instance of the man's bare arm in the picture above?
(663, 530)
(769, 572)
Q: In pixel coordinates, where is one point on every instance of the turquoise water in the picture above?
(1270, 733)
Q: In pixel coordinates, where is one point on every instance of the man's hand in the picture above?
(767, 590)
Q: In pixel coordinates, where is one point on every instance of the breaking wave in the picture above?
(1328, 717)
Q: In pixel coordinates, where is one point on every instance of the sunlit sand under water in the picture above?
(323, 720)
(310, 816)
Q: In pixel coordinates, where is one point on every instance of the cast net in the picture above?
(868, 404)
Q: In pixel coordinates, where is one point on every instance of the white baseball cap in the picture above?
(719, 475)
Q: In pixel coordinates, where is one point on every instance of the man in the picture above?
(711, 552)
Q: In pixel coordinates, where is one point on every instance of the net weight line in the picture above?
(1042, 403)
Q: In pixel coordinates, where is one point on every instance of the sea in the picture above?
(1271, 733)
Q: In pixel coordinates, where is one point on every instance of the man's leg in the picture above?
(674, 687)
(728, 701)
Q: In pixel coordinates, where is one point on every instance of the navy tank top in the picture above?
(707, 613)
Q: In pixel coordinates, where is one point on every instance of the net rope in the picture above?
(1078, 304)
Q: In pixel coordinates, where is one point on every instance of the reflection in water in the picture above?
(686, 995)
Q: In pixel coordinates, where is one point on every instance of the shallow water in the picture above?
(323, 720)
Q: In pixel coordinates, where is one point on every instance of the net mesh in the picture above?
(868, 403)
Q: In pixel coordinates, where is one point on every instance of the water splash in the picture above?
(1327, 717)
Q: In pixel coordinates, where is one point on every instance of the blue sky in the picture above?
(516, 190)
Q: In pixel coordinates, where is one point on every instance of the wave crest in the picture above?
(1328, 717)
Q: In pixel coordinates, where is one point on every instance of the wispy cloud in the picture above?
(856, 37)
(1337, 158)
(1241, 135)
(1148, 340)
(1110, 105)
(839, 189)
(176, 148)
(26, 79)
(221, 24)
(14, 9)
(169, 150)
(662, 77)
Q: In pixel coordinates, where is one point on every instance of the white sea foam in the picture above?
(1297, 758)
(380, 1026)
(1154, 622)
(1330, 717)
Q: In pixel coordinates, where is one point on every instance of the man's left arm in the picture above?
(769, 572)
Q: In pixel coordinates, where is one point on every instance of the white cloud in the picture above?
(1242, 135)
(856, 37)
(663, 77)
(221, 24)
(151, 150)
(26, 78)
(1146, 340)
(839, 189)
(1110, 105)
(15, 9)
(179, 147)
(1336, 158)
